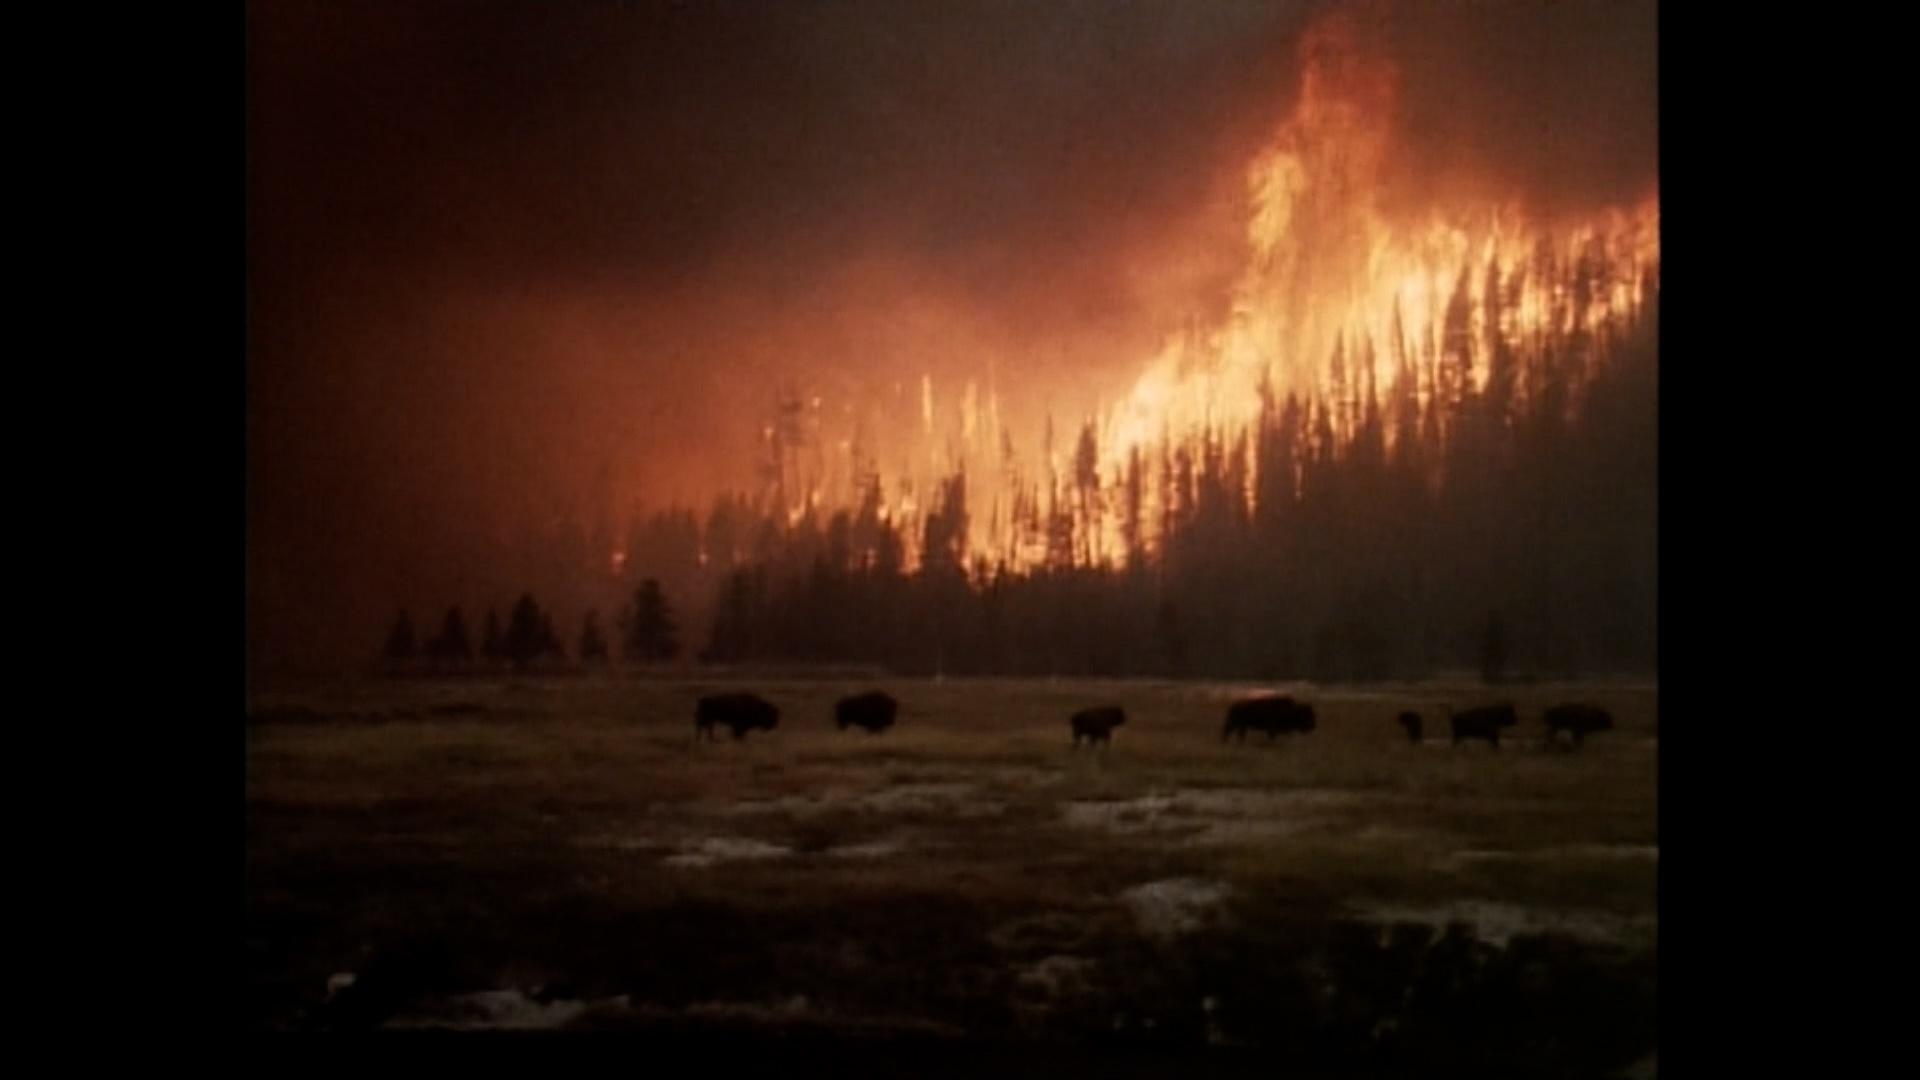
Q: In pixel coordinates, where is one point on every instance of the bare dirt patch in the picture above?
(1209, 816)
(946, 799)
(493, 1010)
(872, 849)
(711, 850)
(1565, 852)
(1498, 924)
(1176, 906)
(1058, 977)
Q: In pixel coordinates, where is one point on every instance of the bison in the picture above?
(873, 711)
(1411, 721)
(1096, 725)
(1483, 722)
(1270, 714)
(1580, 720)
(740, 712)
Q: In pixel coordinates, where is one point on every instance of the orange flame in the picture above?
(1330, 277)
(1326, 265)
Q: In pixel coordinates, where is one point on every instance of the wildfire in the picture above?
(1338, 300)
(1328, 272)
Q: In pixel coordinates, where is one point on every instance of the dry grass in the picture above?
(573, 833)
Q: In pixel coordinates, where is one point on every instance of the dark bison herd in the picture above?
(874, 712)
(1578, 720)
(1096, 725)
(739, 712)
(1273, 715)
(1485, 722)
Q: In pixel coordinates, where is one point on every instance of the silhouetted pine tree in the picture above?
(650, 633)
(526, 637)
(400, 640)
(1133, 493)
(494, 648)
(452, 645)
(593, 646)
(1086, 486)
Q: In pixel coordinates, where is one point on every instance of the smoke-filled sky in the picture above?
(513, 260)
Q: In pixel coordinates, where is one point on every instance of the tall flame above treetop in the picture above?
(1329, 271)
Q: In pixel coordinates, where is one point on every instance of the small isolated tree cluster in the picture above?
(452, 646)
(648, 634)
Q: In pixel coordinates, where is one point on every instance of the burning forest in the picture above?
(1413, 428)
(1278, 340)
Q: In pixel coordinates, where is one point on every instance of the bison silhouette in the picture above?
(1096, 725)
(740, 712)
(872, 711)
(1411, 721)
(1273, 715)
(1483, 722)
(1578, 720)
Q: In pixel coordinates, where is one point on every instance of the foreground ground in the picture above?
(560, 854)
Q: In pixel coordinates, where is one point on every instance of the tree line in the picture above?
(648, 633)
(1493, 508)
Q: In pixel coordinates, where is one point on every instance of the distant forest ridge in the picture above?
(1494, 509)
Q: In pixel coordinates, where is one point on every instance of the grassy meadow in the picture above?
(560, 854)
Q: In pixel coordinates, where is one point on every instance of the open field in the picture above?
(561, 854)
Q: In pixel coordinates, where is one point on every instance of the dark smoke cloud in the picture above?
(1551, 104)
(511, 261)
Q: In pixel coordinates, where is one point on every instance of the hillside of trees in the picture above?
(1493, 510)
